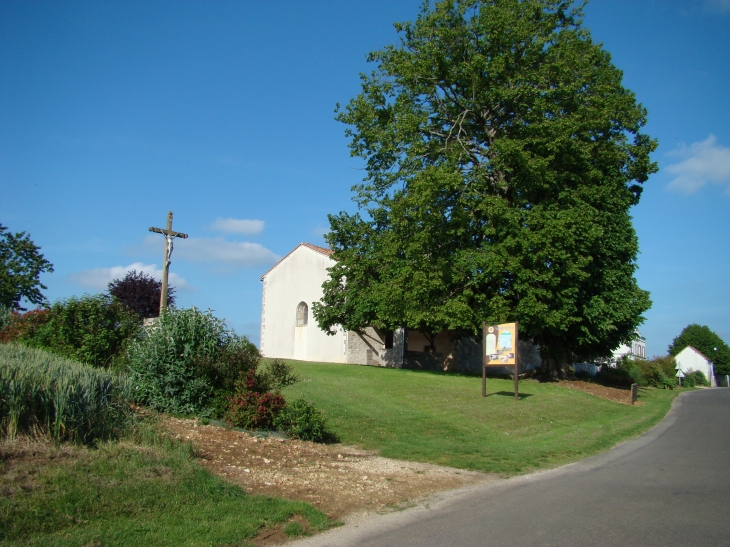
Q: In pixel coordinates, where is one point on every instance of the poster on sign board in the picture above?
(500, 345)
(500, 350)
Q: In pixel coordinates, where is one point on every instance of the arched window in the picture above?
(302, 314)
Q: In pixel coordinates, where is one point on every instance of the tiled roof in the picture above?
(316, 248)
(322, 250)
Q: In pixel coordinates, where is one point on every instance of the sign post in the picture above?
(679, 374)
(499, 349)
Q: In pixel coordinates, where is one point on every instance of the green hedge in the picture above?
(93, 329)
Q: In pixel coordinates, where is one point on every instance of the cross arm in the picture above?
(169, 233)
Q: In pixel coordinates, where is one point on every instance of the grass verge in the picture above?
(442, 418)
(142, 490)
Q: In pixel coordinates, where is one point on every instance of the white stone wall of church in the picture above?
(368, 348)
(297, 278)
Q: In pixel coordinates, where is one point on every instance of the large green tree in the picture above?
(502, 155)
(702, 338)
(21, 264)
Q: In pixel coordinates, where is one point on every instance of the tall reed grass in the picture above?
(44, 393)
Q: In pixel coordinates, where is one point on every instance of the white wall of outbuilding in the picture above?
(690, 359)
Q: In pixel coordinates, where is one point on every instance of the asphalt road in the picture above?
(670, 487)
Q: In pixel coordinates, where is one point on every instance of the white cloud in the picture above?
(238, 226)
(215, 250)
(702, 162)
(234, 253)
(99, 278)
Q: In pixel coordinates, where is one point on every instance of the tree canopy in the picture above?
(141, 293)
(21, 265)
(502, 156)
(702, 338)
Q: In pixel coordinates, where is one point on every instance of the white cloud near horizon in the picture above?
(215, 250)
(234, 253)
(238, 226)
(701, 162)
(99, 278)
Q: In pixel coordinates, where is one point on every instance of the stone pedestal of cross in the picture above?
(169, 236)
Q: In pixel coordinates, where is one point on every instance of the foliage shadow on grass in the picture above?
(510, 394)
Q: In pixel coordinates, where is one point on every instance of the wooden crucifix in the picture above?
(169, 236)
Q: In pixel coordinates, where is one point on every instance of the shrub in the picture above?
(254, 410)
(699, 378)
(625, 374)
(229, 364)
(181, 363)
(23, 326)
(140, 292)
(65, 399)
(91, 329)
(5, 315)
(667, 364)
(689, 381)
(257, 402)
(659, 372)
(277, 375)
(302, 420)
(695, 378)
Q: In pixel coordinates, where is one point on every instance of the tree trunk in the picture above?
(555, 364)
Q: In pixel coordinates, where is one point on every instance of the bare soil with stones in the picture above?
(614, 394)
(337, 479)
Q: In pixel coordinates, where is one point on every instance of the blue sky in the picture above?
(113, 113)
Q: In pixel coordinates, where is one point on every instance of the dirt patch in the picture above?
(611, 393)
(336, 479)
(22, 460)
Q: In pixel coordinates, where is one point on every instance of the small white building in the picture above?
(636, 349)
(288, 329)
(690, 359)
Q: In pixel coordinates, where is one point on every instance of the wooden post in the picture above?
(517, 366)
(169, 236)
(485, 360)
(484, 380)
(165, 265)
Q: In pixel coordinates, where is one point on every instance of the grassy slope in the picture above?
(442, 418)
(133, 492)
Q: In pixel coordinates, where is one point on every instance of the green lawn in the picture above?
(144, 490)
(442, 418)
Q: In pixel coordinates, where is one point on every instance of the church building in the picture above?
(289, 331)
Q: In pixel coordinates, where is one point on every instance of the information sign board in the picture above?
(500, 345)
(499, 349)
